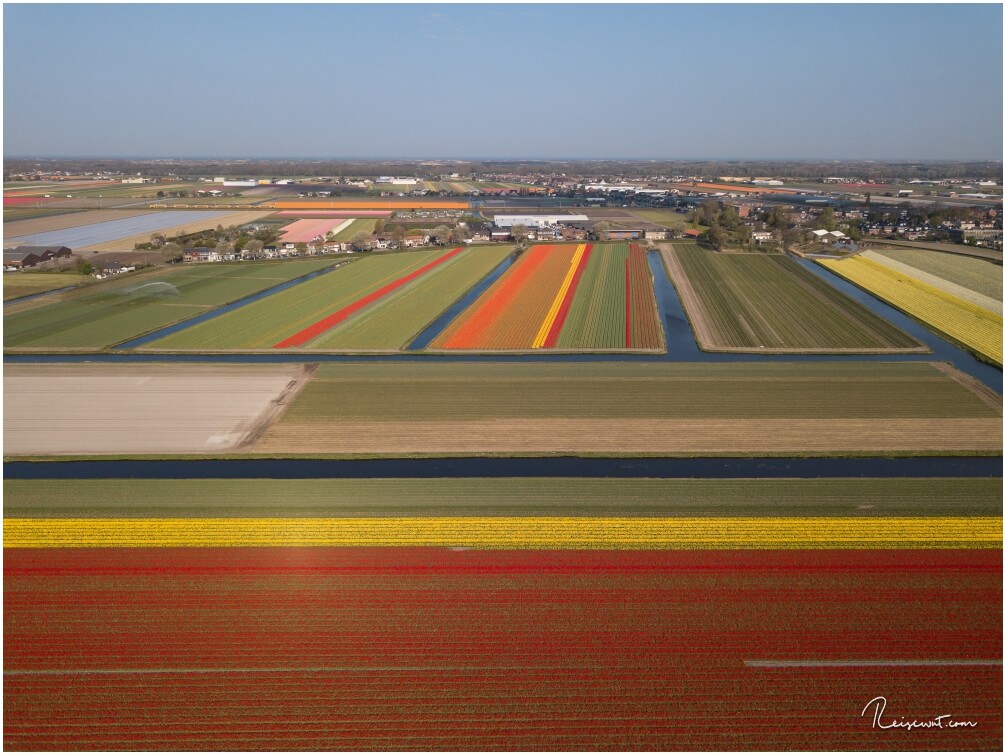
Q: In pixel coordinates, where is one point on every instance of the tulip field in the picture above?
(118, 637)
(586, 297)
(960, 318)
(746, 302)
(377, 302)
(799, 408)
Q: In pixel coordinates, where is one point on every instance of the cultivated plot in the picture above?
(980, 276)
(306, 648)
(631, 409)
(567, 296)
(373, 303)
(25, 284)
(955, 315)
(66, 220)
(309, 230)
(104, 315)
(769, 304)
(98, 233)
(137, 409)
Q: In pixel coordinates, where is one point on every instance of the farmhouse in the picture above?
(692, 233)
(761, 237)
(29, 256)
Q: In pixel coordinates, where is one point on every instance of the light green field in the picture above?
(981, 276)
(501, 497)
(360, 225)
(596, 317)
(393, 323)
(102, 316)
(264, 323)
(26, 284)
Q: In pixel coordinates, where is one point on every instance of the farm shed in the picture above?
(28, 256)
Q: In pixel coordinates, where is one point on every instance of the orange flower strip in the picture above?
(469, 330)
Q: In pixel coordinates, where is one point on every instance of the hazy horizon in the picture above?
(920, 83)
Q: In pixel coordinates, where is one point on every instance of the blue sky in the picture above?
(671, 81)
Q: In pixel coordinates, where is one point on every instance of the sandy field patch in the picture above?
(141, 409)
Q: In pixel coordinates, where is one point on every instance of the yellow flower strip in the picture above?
(965, 321)
(618, 533)
(553, 311)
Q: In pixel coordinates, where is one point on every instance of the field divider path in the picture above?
(316, 329)
(562, 296)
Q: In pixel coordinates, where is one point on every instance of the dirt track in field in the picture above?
(647, 436)
(140, 409)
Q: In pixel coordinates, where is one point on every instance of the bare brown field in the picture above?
(639, 436)
(59, 222)
(138, 409)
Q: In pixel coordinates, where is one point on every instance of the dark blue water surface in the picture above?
(702, 467)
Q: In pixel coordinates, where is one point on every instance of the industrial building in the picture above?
(537, 221)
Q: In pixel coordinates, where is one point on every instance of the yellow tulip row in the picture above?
(963, 321)
(618, 533)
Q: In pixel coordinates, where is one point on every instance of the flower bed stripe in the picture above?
(508, 288)
(551, 325)
(628, 306)
(619, 533)
(312, 331)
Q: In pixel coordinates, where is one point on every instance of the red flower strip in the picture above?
(553, 335)
(312, 331)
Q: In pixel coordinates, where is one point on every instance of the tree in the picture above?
(361, 241)
(254, 248)
(224, 248)
(826, 219)
(777, 218)
(519, 232)
(157, 240)
(398, 233)
(707, 212)
(301, 248)
(379, 226)
(714, 236)
(675, 228)
(171, 252)
(441, 233)
(458, 234)
(600, 230)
